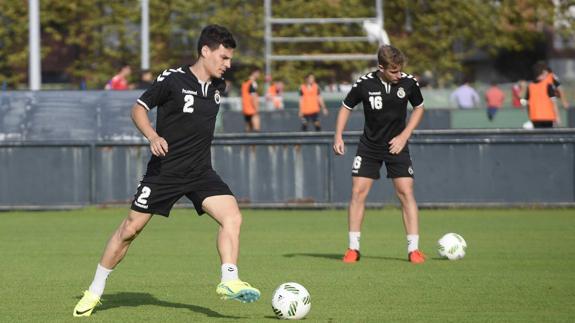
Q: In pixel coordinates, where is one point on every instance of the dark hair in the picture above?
(539, 68)
(213, 36)
(388, 55)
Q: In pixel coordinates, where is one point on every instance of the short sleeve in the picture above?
(352, 98)
(157, 94)
(415, 97)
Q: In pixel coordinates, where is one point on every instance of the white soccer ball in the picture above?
(452, 246)
(291, 301)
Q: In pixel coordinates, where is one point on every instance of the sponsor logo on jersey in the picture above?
(375, 93)
(401, 93)
(217, 97)
(184, 91)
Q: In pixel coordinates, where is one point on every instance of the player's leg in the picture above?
(122, 238)
(359, 191)
(304, 123)
(256, 122)
(113, 253)
(225, 211)
(316, 122)
(248, 123)
(404, 190)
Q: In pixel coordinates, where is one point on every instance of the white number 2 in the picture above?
(375, 102)
(143, 198)
(188, 106)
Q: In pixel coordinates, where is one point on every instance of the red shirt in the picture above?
(118, 82)
(494, 97)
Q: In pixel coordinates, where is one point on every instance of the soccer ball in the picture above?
(452, 246)
(291, 301)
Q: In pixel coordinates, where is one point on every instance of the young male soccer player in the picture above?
(384, 94)
(188, 99)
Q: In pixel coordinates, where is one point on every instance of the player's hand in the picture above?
(325, 113)
(397, 144)
(159, 146)
(338, 146)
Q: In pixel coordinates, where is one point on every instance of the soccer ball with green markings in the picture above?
(291, 301)
(452, 246)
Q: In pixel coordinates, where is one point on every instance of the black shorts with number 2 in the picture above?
(397, 165)
(158, 196)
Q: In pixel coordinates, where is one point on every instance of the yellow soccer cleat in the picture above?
(86, 305)
(238, 290)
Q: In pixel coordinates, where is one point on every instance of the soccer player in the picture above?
(188, 100)
(541, 99)
(309, 103)
(251, 102)
(384, 94)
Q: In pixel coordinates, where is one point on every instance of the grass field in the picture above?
(520, 267)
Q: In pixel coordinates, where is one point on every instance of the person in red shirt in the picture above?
(494, 97)
(120, 81)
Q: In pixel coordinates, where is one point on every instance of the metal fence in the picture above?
(452, 168)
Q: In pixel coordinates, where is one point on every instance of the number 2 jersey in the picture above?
(186, 119)
(384, 108)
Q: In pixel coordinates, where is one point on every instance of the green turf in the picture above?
(520, 267)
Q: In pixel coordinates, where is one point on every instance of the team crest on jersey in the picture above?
(401, 93)
(217, 97)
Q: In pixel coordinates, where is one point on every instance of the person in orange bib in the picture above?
(310, 103)
(251, 102)
(540, 97)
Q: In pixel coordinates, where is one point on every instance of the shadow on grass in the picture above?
(129, 299)
(338, 256)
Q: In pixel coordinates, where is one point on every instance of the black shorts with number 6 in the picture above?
(396, 165)
(157, 195)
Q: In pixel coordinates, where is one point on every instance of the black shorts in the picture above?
(248, 118)
(155, 196)
(310, 118)
(396, 165)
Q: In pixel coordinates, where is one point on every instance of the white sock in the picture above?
(99, 282)
(354, 240)
(412, 242)
(229, 272)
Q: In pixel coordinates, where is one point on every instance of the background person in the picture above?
(251, 102)
(120, 81)
(494, 98)
(541, 100)
(465, 97)
(310, 102)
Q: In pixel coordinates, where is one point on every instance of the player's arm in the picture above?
(158, 145)
(398, 142)
(342, 116)
(561, 95)
(322, 104)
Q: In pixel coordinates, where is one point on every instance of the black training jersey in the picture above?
(384, 107)
(186, 118)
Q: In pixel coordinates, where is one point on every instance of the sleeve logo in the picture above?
(167, 73)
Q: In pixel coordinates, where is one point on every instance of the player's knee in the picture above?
(404, 193)
(359, 194)
(129, 231)
(233, 220)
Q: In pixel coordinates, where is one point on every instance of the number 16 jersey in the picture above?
(384, 108)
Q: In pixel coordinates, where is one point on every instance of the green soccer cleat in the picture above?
(86, 305)
(238, 290)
